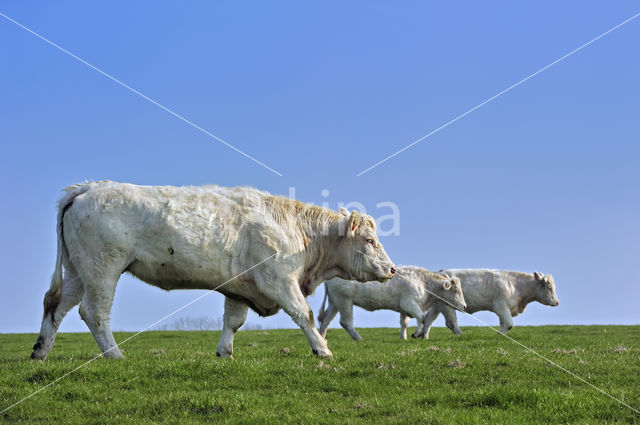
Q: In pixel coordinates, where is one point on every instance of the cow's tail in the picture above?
(323, 311)
(53, 295)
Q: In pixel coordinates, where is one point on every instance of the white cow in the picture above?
(505, 293)
(412, 291)
(261, 251)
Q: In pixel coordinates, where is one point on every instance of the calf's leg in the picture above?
(404, 323)
(429, 318)
(346, 320)
(329, 315)
(506, 323)
(412, 308)
(235, 313)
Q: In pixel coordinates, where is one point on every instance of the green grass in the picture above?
(478, 377)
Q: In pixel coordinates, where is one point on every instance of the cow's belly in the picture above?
(375, 303)
(242, 288)
(167, 275)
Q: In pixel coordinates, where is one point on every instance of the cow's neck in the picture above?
(525, 291)
(322, 241)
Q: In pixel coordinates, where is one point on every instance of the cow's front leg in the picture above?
(412, 309)
(235, 313)
(506, 323)
(288, 296)
(451, 320)
(404, 323)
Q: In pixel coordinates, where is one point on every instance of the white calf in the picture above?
(505, 293)
(412, 291)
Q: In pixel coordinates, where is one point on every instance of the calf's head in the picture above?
(545, 291)
(360, 255)
(449, 292)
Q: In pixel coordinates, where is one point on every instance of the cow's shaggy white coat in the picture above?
(412, 291)
(506, 293)
(199, 238)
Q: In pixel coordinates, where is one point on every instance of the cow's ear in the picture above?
(447, 284)
(354, 222)
(538, 276)
(344, 211)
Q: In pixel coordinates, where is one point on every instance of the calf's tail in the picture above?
(323, 311)
(53, 295)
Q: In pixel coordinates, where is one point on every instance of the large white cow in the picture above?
(412, 291)
(506, 293)
(261, 251)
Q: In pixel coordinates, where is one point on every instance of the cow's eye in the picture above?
(369, 241)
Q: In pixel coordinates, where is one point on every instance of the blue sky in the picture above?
(543, 178)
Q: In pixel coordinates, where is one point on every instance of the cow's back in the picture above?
(173, 236)
(369, 295)
(481, 287)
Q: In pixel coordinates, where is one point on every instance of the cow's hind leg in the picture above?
(70, 296)
(95, 308)
(235, 313)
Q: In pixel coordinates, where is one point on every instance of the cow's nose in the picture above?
(557, 303)
(392, 270)
(464, 307)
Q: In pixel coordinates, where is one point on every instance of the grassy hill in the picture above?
(478, 377)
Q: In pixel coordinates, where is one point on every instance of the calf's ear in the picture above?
(538, 276)
(447, 284)
(353, 224)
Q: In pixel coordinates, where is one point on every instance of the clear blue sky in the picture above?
(544, 178)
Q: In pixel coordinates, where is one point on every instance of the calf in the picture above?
(503, 292)
(411, 292)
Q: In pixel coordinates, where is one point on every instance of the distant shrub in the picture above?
(200, 323)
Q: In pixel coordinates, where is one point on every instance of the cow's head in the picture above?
(449, 291)
(545, 290)
(360, 255)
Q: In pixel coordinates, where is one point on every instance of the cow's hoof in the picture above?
(323, 354)
(224, 355)
(38, 356)
(113, 353)
(414, 335)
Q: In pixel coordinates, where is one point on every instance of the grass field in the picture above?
(478, 377)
